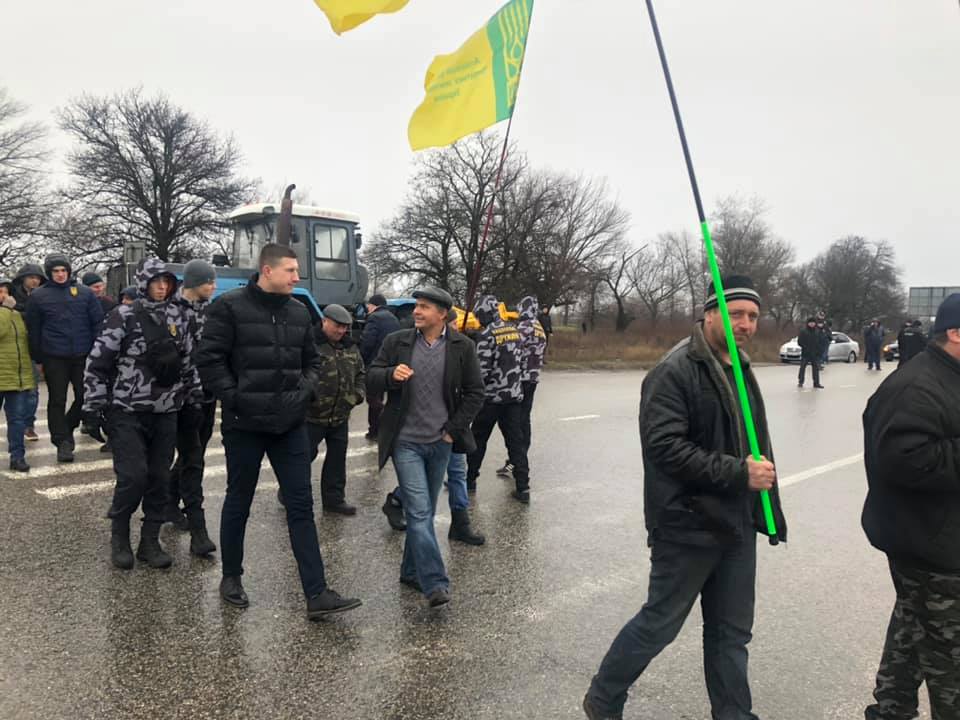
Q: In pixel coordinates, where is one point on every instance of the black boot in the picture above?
(19, 465)
(149, 549)
(461, 531)
(200, 543)
(65, 451)
(120, 551)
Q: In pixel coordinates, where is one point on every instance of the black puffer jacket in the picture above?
(694, 462)
(911, 430)
(380, 323)
(258, 356)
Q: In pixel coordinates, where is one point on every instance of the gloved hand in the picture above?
(92, 424)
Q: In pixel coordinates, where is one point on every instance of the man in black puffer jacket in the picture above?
(702, 509)
(258, 357)
(63, 319)
(911, 431)
(380, 323)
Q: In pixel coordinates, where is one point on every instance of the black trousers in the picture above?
(62, 373)
(374, 411)
(333, 477)
(529, 390)
(724, 578)
(143, 445)
(290, 458)
(815, 364)
(509, 417)
(194, 430)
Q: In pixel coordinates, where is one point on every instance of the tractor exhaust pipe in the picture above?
(286, 212)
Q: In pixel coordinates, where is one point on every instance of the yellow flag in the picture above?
(476, 86)
(347, 14)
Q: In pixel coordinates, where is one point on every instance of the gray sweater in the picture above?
(427, 413)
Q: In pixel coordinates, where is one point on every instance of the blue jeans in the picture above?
(33, 401)
(16, 405)
(457, 482)
(420, 470)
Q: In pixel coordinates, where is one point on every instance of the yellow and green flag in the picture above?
(347, 14)
(476, 86)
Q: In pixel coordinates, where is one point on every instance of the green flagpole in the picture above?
(717, 284)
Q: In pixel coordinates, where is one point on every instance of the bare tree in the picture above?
(23, 202)
(617, 277)
(657, 276)
(689, 257)
(147, 170)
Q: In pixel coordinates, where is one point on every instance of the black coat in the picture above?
(911, 431)
(462, 389)
(380, 323)
(911, 343)
(810, 342)
(695, 485)
(258, 356)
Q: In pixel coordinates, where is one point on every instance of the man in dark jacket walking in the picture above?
(28, 279)
(432, 379)
(341, 386)
(911, 431)
(809, 340)
(702, 509)
(380, 323)
(63, 320)
(910, 342)
(258, 357)
(139, 374)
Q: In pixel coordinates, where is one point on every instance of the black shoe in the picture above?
(174, 515)
(799, 385)
(818, 387)
(150, 551)
(231, 590)
(461, 530)
(329, 602)
(594, 714)
(440, 596)
(106, 447)
(93, 431)
(506, 471)
(200, 543)
(372, 437)
(340, 509)
(121, 554)
(411, 582)
(64, 453)
(19, 465)
(394, 512)
(521, 496)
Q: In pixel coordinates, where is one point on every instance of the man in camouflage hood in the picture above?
(501, 364)
(533, 348)
(140, 374)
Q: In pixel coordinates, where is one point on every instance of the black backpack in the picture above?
(163, 355)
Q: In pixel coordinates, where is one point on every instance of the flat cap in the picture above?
(338, 314)
(434, 295)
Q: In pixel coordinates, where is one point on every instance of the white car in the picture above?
(842, 349)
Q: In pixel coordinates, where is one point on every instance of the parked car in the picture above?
(842, 349)
(892, 351)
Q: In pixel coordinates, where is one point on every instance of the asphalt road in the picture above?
(533, 611)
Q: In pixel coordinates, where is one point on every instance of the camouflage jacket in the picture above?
(195, 315)
(341, 385)
(500, 352)
(533, 340)
(117, 374)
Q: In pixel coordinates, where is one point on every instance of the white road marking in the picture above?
(62, 491)
(847, 387)
(820, 470)
(578, 417)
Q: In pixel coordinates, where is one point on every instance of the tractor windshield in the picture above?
(248, 240)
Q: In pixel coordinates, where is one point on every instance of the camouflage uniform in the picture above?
(534, 343)
(341, 387)
(500, 351)
(194, 430)
(923, 644)
(141, 414)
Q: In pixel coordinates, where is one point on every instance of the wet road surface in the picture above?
(533, 611)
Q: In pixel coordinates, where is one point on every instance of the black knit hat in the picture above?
(735, 287)
(948, 316)
(91, 278)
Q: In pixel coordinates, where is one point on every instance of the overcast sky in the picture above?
(843, 115)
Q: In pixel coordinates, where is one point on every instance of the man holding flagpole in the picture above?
(702, 508)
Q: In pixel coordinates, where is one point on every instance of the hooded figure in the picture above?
(139, 374)
(21, 284)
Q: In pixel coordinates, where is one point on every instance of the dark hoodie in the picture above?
(501, 354)
(63, 319)
(20, 293)
(533, 339)
(117, 373)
